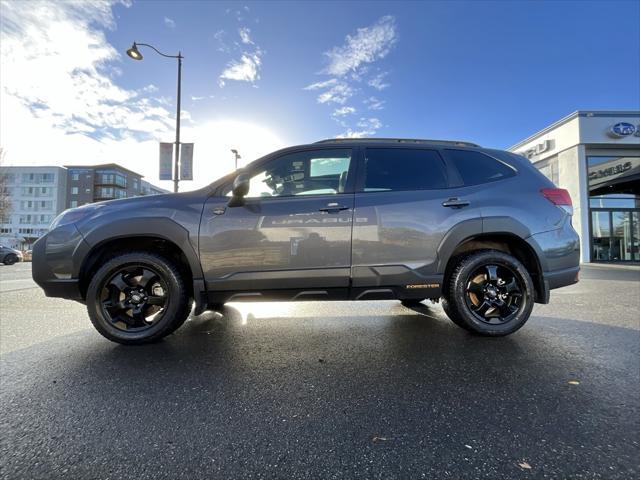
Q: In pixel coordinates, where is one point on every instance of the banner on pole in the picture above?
(186, 161)
(166, 161)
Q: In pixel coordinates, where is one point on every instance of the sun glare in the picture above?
(212, 155)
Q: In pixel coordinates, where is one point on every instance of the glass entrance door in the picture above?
(615, 235)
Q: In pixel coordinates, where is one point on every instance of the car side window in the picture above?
(476, 167)
(312, 172)
(397, 169)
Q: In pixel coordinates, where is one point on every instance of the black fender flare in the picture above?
(160, 227)
(468, 229)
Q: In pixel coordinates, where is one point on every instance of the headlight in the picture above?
(73, 215)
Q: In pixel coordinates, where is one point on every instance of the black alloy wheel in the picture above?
(494, 293)
(488, 292)
(134, 298)
(138, 297)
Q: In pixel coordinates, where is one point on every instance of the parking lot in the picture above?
(325, 390)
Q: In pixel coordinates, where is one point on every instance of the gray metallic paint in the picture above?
(286, 248)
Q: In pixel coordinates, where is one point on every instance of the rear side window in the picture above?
(395, 169)
(476, 167)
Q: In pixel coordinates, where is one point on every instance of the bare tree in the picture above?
(5, 195)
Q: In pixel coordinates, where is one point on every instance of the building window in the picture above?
(75, 177)
(6, 230)
(73, 203)
(74, 190)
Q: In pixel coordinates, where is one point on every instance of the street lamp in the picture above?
(134, 53)
(236, 156)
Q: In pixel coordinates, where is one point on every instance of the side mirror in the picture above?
(239, 190)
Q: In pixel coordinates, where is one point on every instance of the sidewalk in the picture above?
(621, 266)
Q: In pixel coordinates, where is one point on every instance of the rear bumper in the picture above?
(558, 253)
(55, 264)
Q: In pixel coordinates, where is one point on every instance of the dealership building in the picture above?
(595, 155)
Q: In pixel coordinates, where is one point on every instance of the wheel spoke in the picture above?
(483, 308)
(512, 286)
(476, 289)
(117, 306)
(147, 276)
(492, 272)
(120, 282)
(156, 300)
(138, 317)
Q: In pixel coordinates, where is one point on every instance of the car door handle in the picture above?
(455, 203)
(333, 208)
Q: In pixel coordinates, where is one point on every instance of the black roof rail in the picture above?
(457, 143)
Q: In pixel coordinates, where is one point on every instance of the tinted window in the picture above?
(476, 167)
(403, 169)
(314, 172)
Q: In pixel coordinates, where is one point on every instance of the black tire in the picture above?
(412, 302)
(449, 310)
(137, 298)
(489, 293)
(10, 259)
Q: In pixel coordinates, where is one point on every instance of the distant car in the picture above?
(27, 255)
(343, 219)
(9, 256)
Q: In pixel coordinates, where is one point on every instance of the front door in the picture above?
(291, 237)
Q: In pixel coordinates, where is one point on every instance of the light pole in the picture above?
(134, 53)
(236, 156)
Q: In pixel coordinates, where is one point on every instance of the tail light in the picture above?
(559, 197)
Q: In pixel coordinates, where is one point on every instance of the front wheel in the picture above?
(489, 293)
(137, 298)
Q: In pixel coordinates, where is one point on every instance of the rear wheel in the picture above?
(138, 298)
(10, 259)
(489, 293)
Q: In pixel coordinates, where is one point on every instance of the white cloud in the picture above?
(366, 127)
(366, 46)
(349, 66)
(374, 103)
(320, 85)
(342, 111)
(335, 91)
(245, 35)
(169, 23)
(377, 82)
(339, 93)
(61, 106)
(247, 69)
(370, 123)
(197, 98)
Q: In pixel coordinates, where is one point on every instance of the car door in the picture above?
(403, 209)
(291, 233)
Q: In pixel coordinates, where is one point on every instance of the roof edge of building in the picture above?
(573, 115)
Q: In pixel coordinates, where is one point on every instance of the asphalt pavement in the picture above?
(325, 390)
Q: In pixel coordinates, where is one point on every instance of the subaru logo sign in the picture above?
(622, 129)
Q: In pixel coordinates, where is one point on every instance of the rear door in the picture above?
(293, 231)
(403, 208)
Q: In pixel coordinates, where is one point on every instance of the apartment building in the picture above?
(36, 195)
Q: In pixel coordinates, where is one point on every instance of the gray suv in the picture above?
(346, 219)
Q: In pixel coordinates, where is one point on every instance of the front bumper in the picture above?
(56, 259)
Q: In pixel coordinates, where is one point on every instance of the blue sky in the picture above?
(488, 72)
